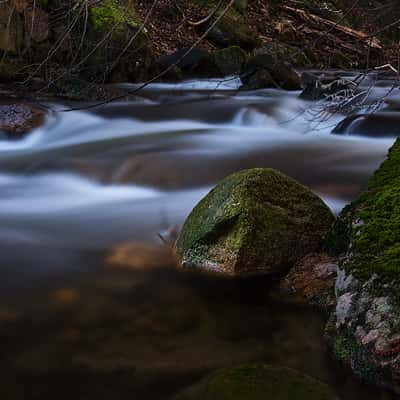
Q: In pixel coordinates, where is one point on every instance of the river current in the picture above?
(91, 304)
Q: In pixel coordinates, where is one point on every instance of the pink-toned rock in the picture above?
(20, 118)
(372, 336)
(313, 280)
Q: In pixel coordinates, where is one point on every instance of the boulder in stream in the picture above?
(231, 30)
(230, 60)
(268, 67)
(364, 329)
(257, 382)
(325, 86)
(19, 118)
(378, 125)
(254, 222)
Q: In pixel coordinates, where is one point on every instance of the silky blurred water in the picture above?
(83, 314)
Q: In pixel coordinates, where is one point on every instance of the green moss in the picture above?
(230, 60)
(345, 347)
(258, 382)
(237, 30)
(364, 363)
(233, 28)
(109, 14)
(375, 237)
(254, 220)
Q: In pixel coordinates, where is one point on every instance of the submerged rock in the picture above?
(141, 256)
(254, 222)
(258, 382)
(365, 327)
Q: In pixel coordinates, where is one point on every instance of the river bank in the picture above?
(48, 48)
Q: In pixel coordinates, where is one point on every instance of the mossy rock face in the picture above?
(271, 66)
(196, 62)
(371, 225)
(233, 30)
(365, 326)
(258, 382)
(254, 222)
(230, 61)
(113, 23)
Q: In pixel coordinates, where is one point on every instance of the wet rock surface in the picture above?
(312, 280)
(379, 124)
(365, 327)
(256, 221)
(20, 118)
(325, 87)
(267, 67)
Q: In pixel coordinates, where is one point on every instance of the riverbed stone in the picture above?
(257, 382)
(254, 222)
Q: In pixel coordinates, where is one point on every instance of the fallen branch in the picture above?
(373, 42)
(208, 17)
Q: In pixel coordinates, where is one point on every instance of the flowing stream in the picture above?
(91, 304)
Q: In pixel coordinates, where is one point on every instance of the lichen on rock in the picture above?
(255, 221)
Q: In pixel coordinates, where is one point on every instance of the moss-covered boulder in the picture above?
(271, 66)
(230, 60)
(368, 230)
(190, 63)
(258, 382)
(112, 25)
(231, 30)
(365, 327)
(255, 221)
